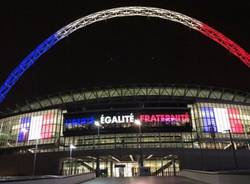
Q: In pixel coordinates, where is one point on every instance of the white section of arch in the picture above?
(125, 12)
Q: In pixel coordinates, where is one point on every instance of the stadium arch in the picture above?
(192, 23)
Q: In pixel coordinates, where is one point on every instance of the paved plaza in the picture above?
(144, 180)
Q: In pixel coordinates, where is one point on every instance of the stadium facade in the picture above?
(128, 131)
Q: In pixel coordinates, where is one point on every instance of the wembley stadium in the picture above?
(128, 130)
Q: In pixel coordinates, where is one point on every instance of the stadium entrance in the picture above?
(123, 166)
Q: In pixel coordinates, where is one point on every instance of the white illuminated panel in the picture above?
(35, 127)
(222, 119)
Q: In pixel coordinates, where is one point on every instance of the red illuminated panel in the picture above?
(48, 118)
(47, 126)
(235, 121)
(165, 118)
(46, 132)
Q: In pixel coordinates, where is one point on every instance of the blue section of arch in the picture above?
(25, 64)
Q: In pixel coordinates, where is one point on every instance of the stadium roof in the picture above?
(135, 90)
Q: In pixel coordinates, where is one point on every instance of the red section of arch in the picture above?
(227, 43)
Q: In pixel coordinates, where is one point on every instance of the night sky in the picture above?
(122, 50)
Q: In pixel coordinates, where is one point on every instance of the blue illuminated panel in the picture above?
(70, 123)
(209, 121)
(24, 129)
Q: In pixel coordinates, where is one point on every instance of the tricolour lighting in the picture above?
(192, 23)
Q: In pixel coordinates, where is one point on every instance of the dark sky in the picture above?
(122, 50)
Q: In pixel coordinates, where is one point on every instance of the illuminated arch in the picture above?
(28, 61)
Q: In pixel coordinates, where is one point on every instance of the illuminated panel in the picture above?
(35, 127)
(222, 120)
(245, 118)
(24, 129)
(169, 119)
(76, 122)
(235, 121)
(67, 123)
(70, 123)
(209, 121)
(90, 120)
(47, 126)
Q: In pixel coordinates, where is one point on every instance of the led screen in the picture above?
(109, 122)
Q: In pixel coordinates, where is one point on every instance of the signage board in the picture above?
(119, 122)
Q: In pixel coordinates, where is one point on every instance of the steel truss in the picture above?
(173, 91)
(28, 61)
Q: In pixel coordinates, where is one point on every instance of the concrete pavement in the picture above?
(144, 180)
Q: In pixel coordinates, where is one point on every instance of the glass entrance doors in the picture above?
(124, 166)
